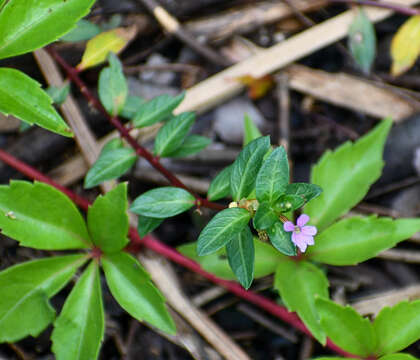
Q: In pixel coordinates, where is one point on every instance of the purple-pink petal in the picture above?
(302, 220)
(309, 230)
(288, 226)
(300, 241)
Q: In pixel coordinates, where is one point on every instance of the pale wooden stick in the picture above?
(408, 256)
(222, 86)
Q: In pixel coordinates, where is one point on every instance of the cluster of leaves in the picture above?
(345, 176)
(405, 46)
(41, 217)
(172, 139)
(24, 27)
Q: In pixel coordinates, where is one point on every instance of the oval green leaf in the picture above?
(163, 202)
(192, 145)
(225, 226)
(220, 185)
(147, 224)
(131, 287)
(23, 98)
(265, 217)
(26, 26)
(281, 239)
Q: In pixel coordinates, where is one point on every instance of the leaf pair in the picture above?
(393, 330)
(25, 27)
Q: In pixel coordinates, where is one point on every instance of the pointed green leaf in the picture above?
(246, 167)
(131, 287)
(281, 239)
(157, 109)
(39, 216)
(110, 165)
(26, 26)
(220, 185)
(273, 176)
(172, 135)
(131, 106)
(346, 174)
(163, 202)
(147, 224)
(226, 225)
(58, 94)
(398, 356)
(108, 220)
(23, 98)
(362, 40)
(305, 191)
(265, 261)
(265, 217)
(251, 132)
(353, 240)
(298, 284)
(192, 145)
(84, 30)
(112, 86)
(79, 330)
(397, 327)
(240, 253)
(26, 287)
(115, 143)
(346, 328)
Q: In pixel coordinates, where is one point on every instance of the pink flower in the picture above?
(302, 236)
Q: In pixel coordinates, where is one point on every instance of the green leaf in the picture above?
(108, 220)
(346, 174)
(281, 239)
(220, 185)
(112, 86)
(398, 356)
(26, 288)
(362, 40)
(246, 167)
(305, 191)
(171, 136)
(266, 260)
(273, 176)
(110, 165)
(397, 327)
(81, 322)
(131, 106)
(115, 143)
(298, 284)
(265, 217)
(163, 202)
(147, 224)
(157, 109)
(23, 98)
(240, 253)
(39, 216)
(353, 240)
(225, 226)
(346, 328)
(58, 94)
(251, 132)
(192, 145)
(288, 203)
(131, 287)
(84, 30)
(26, 26)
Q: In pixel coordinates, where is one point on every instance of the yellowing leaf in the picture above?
(98, 48)
(257, 87)
(405, 46)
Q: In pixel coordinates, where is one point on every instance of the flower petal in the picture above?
(302, 220)
(300, 241)
(309, 230)
(288, 226)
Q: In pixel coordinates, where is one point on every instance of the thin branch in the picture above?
(380, 4)
(73, 75)
(154, 244)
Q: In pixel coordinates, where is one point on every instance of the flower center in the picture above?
(297, 230)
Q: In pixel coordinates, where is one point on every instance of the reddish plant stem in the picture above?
(384, 5)
(154, 244)
(73, 75)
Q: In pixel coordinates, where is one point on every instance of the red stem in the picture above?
(154, 244)
(73, 74)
